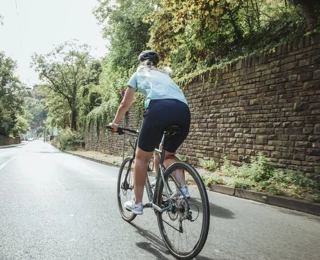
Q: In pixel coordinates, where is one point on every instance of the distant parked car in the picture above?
(30, 139)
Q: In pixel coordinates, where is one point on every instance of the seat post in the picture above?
(168, 131)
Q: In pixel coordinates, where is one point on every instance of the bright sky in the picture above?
(38, 26)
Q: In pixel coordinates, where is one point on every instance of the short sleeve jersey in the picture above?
(155, 85)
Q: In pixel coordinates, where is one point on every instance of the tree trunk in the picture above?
(73, 123)
(308, 7)
(74, 109)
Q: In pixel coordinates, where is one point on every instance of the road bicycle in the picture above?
(183, 220)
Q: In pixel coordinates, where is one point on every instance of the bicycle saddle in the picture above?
(172, 130)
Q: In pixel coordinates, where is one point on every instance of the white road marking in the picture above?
(5, 163)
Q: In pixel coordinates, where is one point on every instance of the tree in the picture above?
(124, 28)
(35, 104)
(193, 35)
(191, 25)
(128, 35)
(64, 71)
(11, 102)
(309, 7)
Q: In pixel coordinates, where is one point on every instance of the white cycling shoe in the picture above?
(179, 195)
(133, 207)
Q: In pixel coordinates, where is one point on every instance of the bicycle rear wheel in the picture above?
(185, 228)
(125, 188)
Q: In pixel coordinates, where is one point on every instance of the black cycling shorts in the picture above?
(160, 114)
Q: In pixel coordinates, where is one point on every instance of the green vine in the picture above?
(101, 115)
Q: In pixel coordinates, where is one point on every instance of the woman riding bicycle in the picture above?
(165, 105)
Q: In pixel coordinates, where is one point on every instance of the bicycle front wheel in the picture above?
(125, 188)
(185, 227)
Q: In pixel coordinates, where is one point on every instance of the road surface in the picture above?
(55, 205)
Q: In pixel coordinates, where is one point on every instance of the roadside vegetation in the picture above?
(260, 175)
(14, 117)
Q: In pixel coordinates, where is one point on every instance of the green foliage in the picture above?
(259, 175)
(68, 140)
(64, 71)
(260, 169)
(193, 36)
(102, 115)
(244, 184)
(108, 95)
(213, 178)
(182, 158)
(124, 28)
(35, 105)
(211, 164)
(229, 169)
(316, 198)
(12, 120)
(128, 36)
(21, 126)
(290, 177)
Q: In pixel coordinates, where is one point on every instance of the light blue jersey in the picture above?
(155, 85)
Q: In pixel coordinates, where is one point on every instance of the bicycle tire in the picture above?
(184, 232)
(125, 190)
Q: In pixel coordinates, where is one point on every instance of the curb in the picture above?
(10, 145)
(275, 200)
(95, 160)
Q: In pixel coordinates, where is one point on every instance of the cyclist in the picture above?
(165, 105)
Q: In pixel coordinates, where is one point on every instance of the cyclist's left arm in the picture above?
(123, 107)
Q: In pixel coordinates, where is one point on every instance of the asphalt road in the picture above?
(58, 206)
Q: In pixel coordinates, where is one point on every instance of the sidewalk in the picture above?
(281, 201)
(13, 145)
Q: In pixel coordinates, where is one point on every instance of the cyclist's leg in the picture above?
(178, 174)
(169, 159)
(140, 173)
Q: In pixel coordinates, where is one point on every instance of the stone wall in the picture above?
(268, 103)
(6, 140)
(107, 142)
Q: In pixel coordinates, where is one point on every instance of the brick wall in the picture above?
(104, 141)
(6, 140)
(267, 103)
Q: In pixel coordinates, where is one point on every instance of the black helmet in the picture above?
(149, 55)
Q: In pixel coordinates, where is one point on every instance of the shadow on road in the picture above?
(155, 246)
(299, 214)
(215, 210)
(220, 212)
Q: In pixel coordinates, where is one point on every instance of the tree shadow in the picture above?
(299, 214)
(155, 245)
(215, 210)
(220, 212)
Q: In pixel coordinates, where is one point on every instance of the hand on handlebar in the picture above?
(113, 128)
